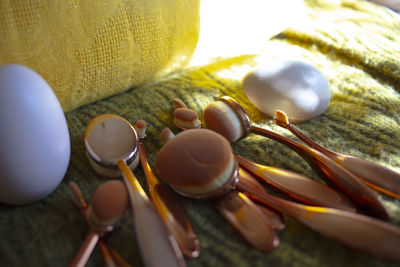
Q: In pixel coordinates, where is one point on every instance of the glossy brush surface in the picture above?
(326, 168)
(298, 186)
(353, 230)
(167, 205)
(376, 176)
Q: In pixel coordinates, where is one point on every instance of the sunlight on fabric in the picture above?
(234, 72)
(237, 27)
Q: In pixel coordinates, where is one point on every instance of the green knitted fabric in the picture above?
(355, 44)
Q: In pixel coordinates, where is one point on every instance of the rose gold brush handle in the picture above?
(275, 219)
(247, 218)
(333, 173)
(157, 246)
(170, 210)
(85, 250)
(378, 177)
(111, 257)
(91, 239)
(298, 186)
(353, 230)
(107, 258)
(117, 259)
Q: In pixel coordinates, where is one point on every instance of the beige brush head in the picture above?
(196, 162)
(109, 203)
(140, 127)
(186, 118)
(221, 118)
(178, 103)
(166, 134)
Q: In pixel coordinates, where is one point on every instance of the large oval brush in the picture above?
(228, 118)
(186, 119)
(297, 186)
(199, 164)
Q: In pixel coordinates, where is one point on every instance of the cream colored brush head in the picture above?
(196, 162)
(221, 118)
(186, 118)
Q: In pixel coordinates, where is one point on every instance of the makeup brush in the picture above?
(178, 103)
(181, 162)
(274, 219)
(112, 143)
(293, 184)
(167, 205)
(186, 118)
(228, 118)
(109, 204)
(210, 175)
(376, 176)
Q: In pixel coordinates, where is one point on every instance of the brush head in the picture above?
(196, 162)
(221, 118)
(110, 202)
(140, 127)
(178, 103)
(167, 134)
(185, 118)
(281, 119)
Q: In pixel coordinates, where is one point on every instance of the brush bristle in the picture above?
(220, 117)
(178, 103)
(109, 203)
(196, 162)
(186, 118)
(141, 128)
(281, 118)
(166, 134)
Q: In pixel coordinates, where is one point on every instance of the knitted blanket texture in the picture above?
(355, 44)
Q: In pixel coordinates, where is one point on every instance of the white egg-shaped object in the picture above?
(297, 88)
(34, 137)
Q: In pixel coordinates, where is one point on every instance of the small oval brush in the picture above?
(109, 204)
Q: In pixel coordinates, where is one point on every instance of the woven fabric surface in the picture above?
(353, 43)
(88, 50)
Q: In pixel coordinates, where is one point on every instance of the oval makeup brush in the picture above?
(295, 185)
(167, 205)
(199, 164)
(186, 118)
(109, 204)
(376, 176)
(111, 258)
(183, 163)
(228, 118)
(274, 219)
(178, 103)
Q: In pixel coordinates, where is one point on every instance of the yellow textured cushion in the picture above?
(88, 50)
